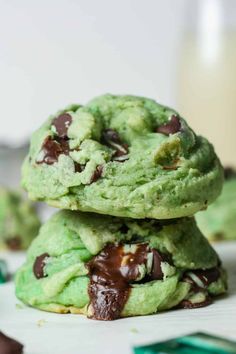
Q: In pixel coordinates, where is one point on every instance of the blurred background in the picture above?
(182, 53)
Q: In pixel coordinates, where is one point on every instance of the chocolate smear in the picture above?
(61, 124)
(172, 127)
(52, 148)
(39, 264)
(96, 174)
(110, 273)
(14, 243)
(9, 345)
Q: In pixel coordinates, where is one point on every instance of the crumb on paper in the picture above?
(133, 330)
(41, 322)
(19, 306)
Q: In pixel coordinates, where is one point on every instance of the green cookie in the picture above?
(108, 267)
(124, 156)
(19, 223)
(218, 222)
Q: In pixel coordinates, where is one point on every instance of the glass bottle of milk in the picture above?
(206, 84)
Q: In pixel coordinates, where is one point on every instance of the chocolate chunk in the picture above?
(158, 258)
(79, 167)
(208, 276)
(124, 229)
(121, 153)
(9, 345)
(187, 304)
(156, 273)
(112, 139)
(96, 174)
(201, 279)
(229, 173)
(109, 135)
(14, 243)
(110, 274)
(61, 124)
(52, 148)
(39, 265)
(172, 127)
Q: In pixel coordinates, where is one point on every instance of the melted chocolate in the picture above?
(208, 276)
(61, 124)
(172, 127)
(14, 243)
(158, 257)
(186, 304)
(96, 174)
(110, 273)
(9, 345)
(39, 264)
(52, 148)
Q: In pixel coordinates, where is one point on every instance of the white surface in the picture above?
(45, 333)
(53, 53)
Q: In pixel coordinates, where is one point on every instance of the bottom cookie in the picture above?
(106, 267)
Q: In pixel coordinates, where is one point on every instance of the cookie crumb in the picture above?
(41, 322)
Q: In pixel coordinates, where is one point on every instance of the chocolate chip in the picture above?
(112, 139)
(109, 135)
(96, 174)
(158, 258)
(79, 167)
(208, 276)
(14, 243)
(39, 264)
(61, 124)
(110, 273)
(9, 345)
(187, 304)
(124, 229)
(172, 127)
(201, 279)
(52, 148)
(121, 154)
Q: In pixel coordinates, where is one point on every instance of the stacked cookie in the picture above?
(140, 165)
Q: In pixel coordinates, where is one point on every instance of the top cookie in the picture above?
(123, 156)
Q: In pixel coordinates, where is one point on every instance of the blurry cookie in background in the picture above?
(218, 222)
(19, 222)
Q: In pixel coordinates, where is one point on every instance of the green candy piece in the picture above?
(124, 156)
(69, 240)
(3, 272)
(19, 222)
(196, 343)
